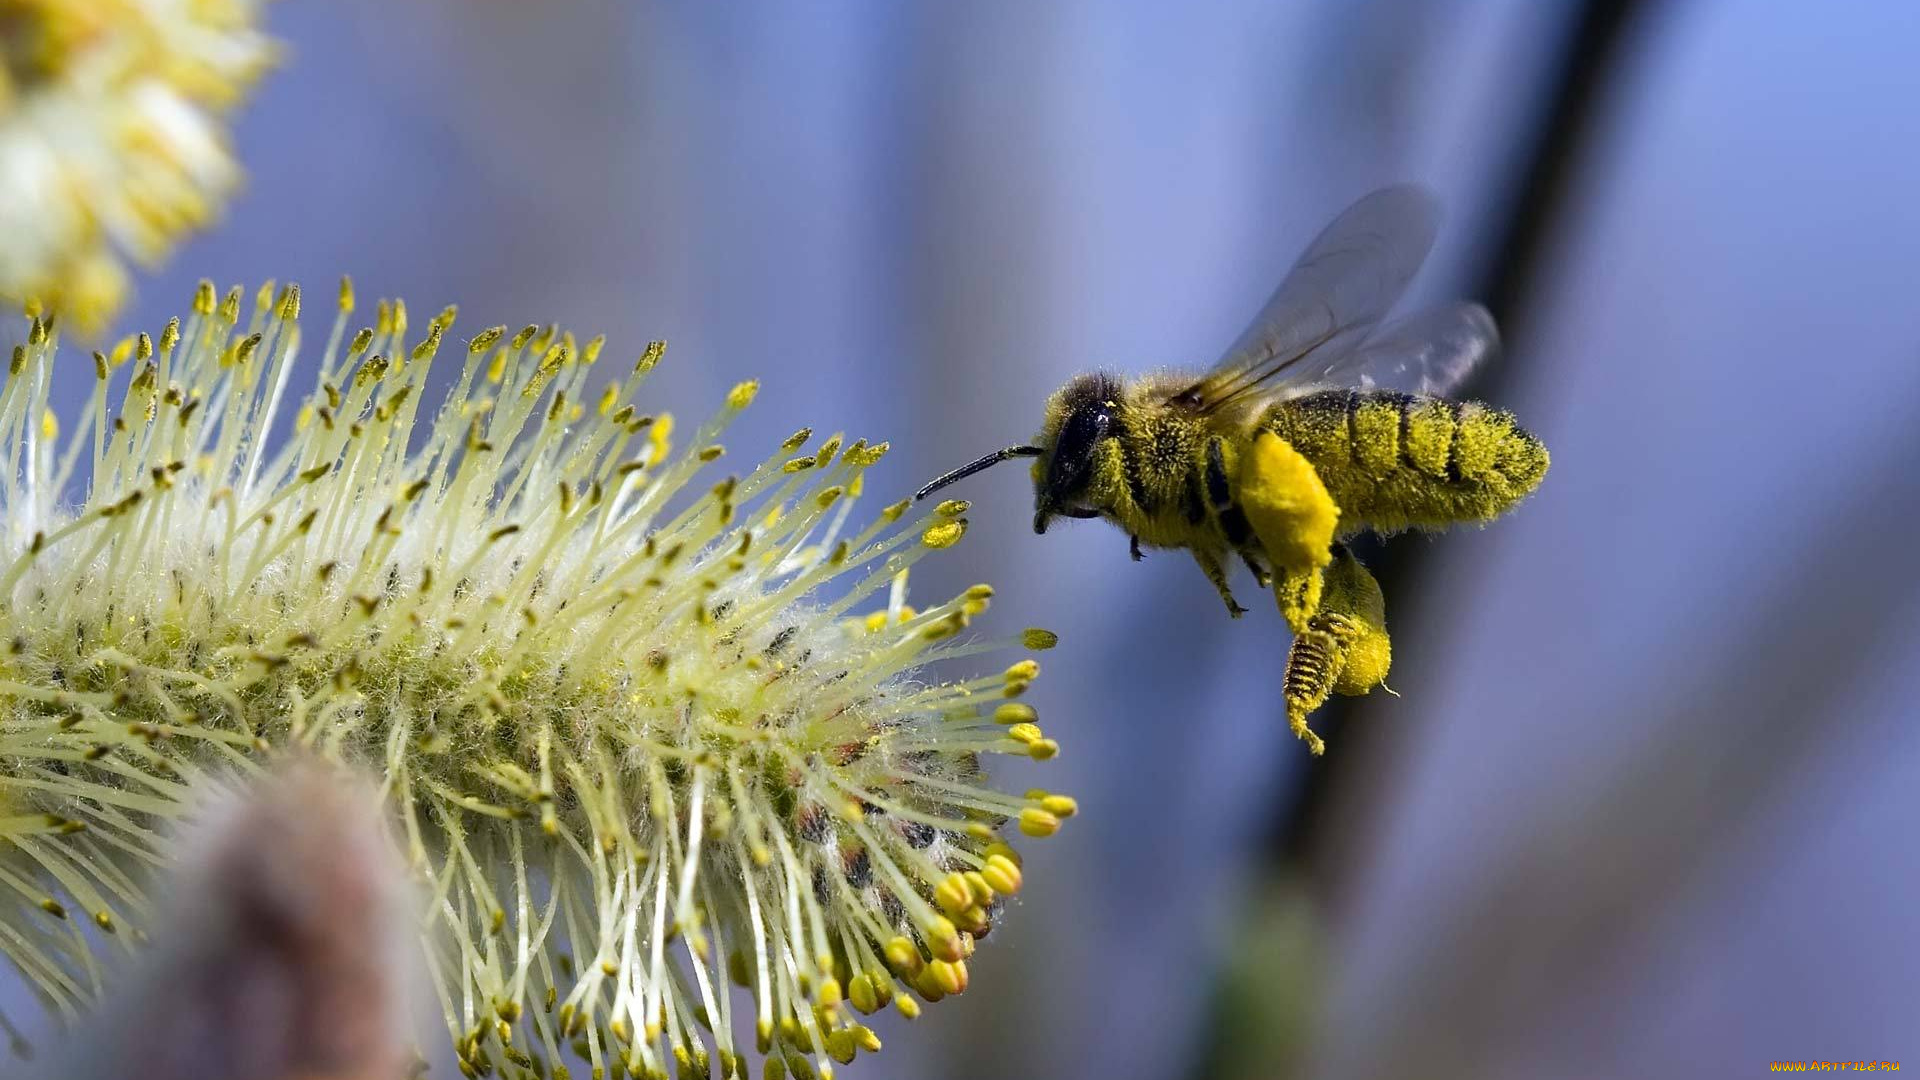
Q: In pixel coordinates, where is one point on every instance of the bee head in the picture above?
(1079, 417)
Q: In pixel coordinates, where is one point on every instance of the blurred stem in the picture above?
(1267, 1002)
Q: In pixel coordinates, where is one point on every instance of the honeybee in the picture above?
(1317, 425)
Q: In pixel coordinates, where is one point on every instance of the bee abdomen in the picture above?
(1394, 461)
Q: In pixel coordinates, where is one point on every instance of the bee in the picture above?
(1317, 425)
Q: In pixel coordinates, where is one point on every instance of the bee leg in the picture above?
(1298, 594)
(1133, 547)
(1217, 573)
(1314, 665)
(1261, 575)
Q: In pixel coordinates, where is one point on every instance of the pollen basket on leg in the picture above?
(647, 726)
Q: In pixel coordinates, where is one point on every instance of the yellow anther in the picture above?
(650, 358)
(952, 508)
(1043, 750)
(982, 894)
(841, 1047)
(1039, 640)
(346, 294)
(943, 938)
(902, 956)
(742, 395)
(1002, 874)
(951, 975)
(944, 533)
(928, 985)
(864, 995)
(908, 1007)
(1025, 734)
(1061, 806)
(1038, 823)
(953, 895)
(1015, 713)
(660, 439)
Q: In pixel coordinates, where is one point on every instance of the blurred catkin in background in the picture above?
(113, 138)
(286, 947)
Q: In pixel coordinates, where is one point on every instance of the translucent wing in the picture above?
(1429, 352)
(1339, 290)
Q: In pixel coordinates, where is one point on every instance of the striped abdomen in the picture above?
(1395, 461)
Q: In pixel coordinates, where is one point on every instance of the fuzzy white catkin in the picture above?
(634, 738)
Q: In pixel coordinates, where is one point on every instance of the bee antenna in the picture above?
(972, 467)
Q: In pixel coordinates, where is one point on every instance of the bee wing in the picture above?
(1429, 352)
(1329, 303)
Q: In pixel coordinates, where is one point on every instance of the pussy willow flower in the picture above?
(112, 138)
(647, 726)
